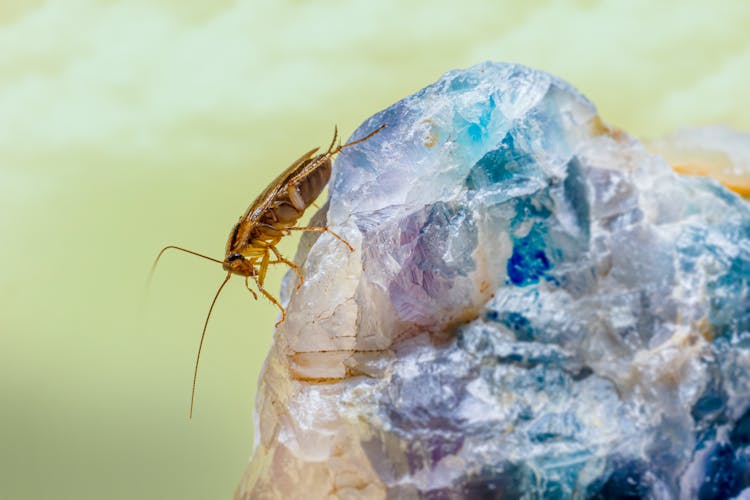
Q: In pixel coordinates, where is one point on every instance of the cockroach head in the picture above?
(236, 263)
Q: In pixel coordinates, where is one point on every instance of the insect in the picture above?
(251, 246)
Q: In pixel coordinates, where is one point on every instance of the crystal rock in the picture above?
(717, 151)
(537, 307)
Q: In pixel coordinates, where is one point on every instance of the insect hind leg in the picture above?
(323, 229)
(358, 141)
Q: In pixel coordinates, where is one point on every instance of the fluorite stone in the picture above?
(537, 307)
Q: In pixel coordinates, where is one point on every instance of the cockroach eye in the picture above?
(234, 257)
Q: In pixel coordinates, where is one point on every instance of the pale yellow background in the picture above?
(125, 126)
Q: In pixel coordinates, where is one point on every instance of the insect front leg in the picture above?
(264, 267)
(259, 283)
(272, 299)
(247, 285)
(323, 229)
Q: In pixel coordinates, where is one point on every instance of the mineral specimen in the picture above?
(719, 152)
(537, 308)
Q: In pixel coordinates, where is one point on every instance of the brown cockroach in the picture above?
(251, 247)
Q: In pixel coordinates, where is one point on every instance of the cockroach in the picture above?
(251, 247)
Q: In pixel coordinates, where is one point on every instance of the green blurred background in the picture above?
(125, 126)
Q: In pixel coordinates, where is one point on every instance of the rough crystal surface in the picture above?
(718, 151)
(537, 308)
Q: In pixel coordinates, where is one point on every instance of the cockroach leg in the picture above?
(289, 263)
(358, 141)
(263, 267)
(271, 230)
(247, 285)
(323, 229)
(272, 299)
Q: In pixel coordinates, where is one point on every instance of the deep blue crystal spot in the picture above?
(528, 263)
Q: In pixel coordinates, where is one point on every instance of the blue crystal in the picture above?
(528, 262)
(592, 245)
(726, 474)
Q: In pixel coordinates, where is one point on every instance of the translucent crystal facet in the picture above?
(537, 307)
